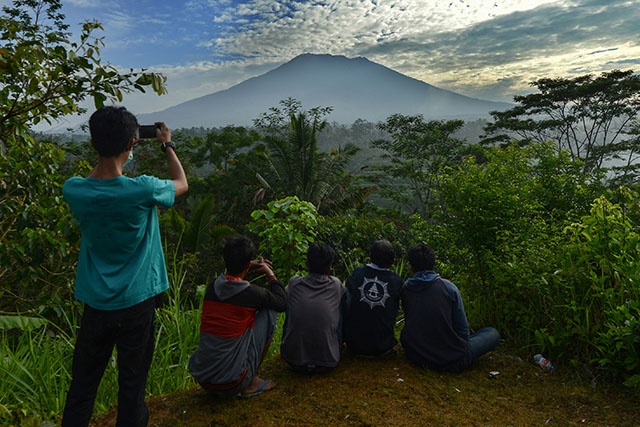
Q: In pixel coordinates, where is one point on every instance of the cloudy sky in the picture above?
(489, 49)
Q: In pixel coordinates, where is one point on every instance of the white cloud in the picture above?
(191, 81)
(117, 22)
(86, 3)
(485, 48)
(489, 49)
(276, 28)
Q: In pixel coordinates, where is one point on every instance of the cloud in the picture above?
(117, 22)
(275, 29)
(490, 49)
(486, 49)
(85, 3)
(495, 44)
(505, 54)
(193, 80)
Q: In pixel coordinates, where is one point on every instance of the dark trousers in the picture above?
(483, 341)
(131, 331)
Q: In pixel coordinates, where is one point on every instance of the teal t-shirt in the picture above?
(121, 260)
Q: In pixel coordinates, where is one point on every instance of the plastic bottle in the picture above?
(544, 364)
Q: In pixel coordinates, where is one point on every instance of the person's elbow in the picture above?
(182, 186)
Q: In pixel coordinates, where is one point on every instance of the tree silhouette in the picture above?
(594, 118)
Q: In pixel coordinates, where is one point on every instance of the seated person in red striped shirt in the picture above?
(237, 324)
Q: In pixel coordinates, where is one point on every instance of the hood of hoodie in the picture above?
(422, 279)
(313, 280)
(225, 288)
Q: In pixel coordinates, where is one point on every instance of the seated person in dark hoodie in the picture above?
(237, 324)
(436, 333)
(311, 335)
(373, 302)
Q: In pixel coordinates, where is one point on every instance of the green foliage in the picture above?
(296, 167)
(45, 75)
(504, 218)
(596, 291)
(200, 229)
(513, 292)
(226, 163)
(534, 256)
(618, 344)
(37, 235)
(195, 239)
(177, 331)
(512, 191)
(285, 229)
(351, 236)
(34, 373)
(222, 149)
(21, 323)
(35, 367)
(513, 227)
(416, 155)
(148, 158)
(484, 200)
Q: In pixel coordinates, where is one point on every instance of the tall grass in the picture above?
(34, 375)
(35, 371)
(35, 364)
(177, 335)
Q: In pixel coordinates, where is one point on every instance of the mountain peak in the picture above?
(356, 88)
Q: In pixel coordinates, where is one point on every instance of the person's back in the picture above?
(120, 239)
(427, 299)
(374, 300)
(311, 339)
(436, 333)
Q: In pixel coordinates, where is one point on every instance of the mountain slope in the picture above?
(356, 89)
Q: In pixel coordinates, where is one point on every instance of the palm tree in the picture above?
(298, 168)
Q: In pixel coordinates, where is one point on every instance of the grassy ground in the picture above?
(393, 392)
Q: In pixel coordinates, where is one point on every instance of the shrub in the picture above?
(595, 292)
(285, 229)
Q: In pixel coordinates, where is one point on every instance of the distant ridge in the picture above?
(356, 88)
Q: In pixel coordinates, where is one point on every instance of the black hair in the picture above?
(382, 253)
(421, 257)
(320, 258)
(237, 253)
(111, 130)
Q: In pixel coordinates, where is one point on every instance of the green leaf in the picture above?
(22, 323)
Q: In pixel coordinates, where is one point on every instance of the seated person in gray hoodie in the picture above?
(311, 335)
(237, 324)
(436, 332)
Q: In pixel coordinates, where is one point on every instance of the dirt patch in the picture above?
(393, 392)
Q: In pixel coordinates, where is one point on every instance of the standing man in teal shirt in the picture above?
(121, 267)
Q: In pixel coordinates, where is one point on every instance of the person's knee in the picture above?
(493, 336)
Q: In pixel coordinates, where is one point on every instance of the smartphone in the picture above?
(147, 131)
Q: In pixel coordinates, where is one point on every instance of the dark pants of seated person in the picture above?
(483, 341)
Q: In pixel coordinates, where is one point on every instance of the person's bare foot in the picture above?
(257, 386)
